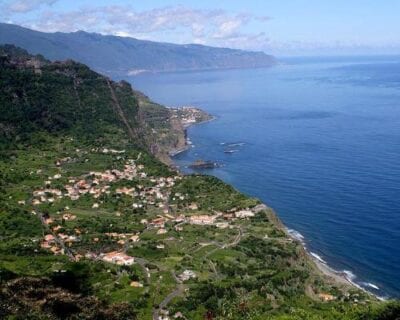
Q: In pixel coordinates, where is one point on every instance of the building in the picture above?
(326, 297)
(118, 258)
(134, 238)
(187, 275)
(202, 220)
(244, 214)
(158, 222)
(193, 206)
(136, 284)
(69, 217)
(161, 231)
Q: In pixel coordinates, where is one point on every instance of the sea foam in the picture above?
(371, 285)
(347, 274)
(295, 235)
(318, 257)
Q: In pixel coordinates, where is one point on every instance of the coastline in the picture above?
(345, 278)
(341, 277)
(320, 265)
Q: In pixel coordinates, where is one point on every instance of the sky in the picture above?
(279, 27)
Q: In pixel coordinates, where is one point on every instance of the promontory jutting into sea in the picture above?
(204, 161)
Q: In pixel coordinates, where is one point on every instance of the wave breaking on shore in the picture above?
(346, 276)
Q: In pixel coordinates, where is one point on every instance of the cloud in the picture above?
(228, 29)
(174, 23)
(23, 6)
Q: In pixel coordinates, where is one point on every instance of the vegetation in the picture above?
(211, 193)
(77, 183)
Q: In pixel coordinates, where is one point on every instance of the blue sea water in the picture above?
(316, 139)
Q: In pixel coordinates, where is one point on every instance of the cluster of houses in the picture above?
(95, 184)
(48, 195)
(204, 220)
(216, 219)
(123, 237)
(189, 115)
(156, 195)
(115, 257)
(49, 242)
(154, 191)
(219, 220)
(99, 183)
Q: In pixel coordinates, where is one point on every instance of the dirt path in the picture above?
(235, 241)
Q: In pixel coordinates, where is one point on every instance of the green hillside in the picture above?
(94, 226)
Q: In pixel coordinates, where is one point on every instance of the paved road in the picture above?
(60, 242)
(142, 262)
(179, 291)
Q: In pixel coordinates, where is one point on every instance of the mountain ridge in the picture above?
(121, 56)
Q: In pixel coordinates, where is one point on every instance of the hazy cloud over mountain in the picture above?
(212, 27)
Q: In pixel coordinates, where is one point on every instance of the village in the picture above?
(144, 191)
(142, 216)
(160, 211)
(152, 215)
(189, 115)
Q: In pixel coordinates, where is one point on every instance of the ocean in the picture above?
(318, 140)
